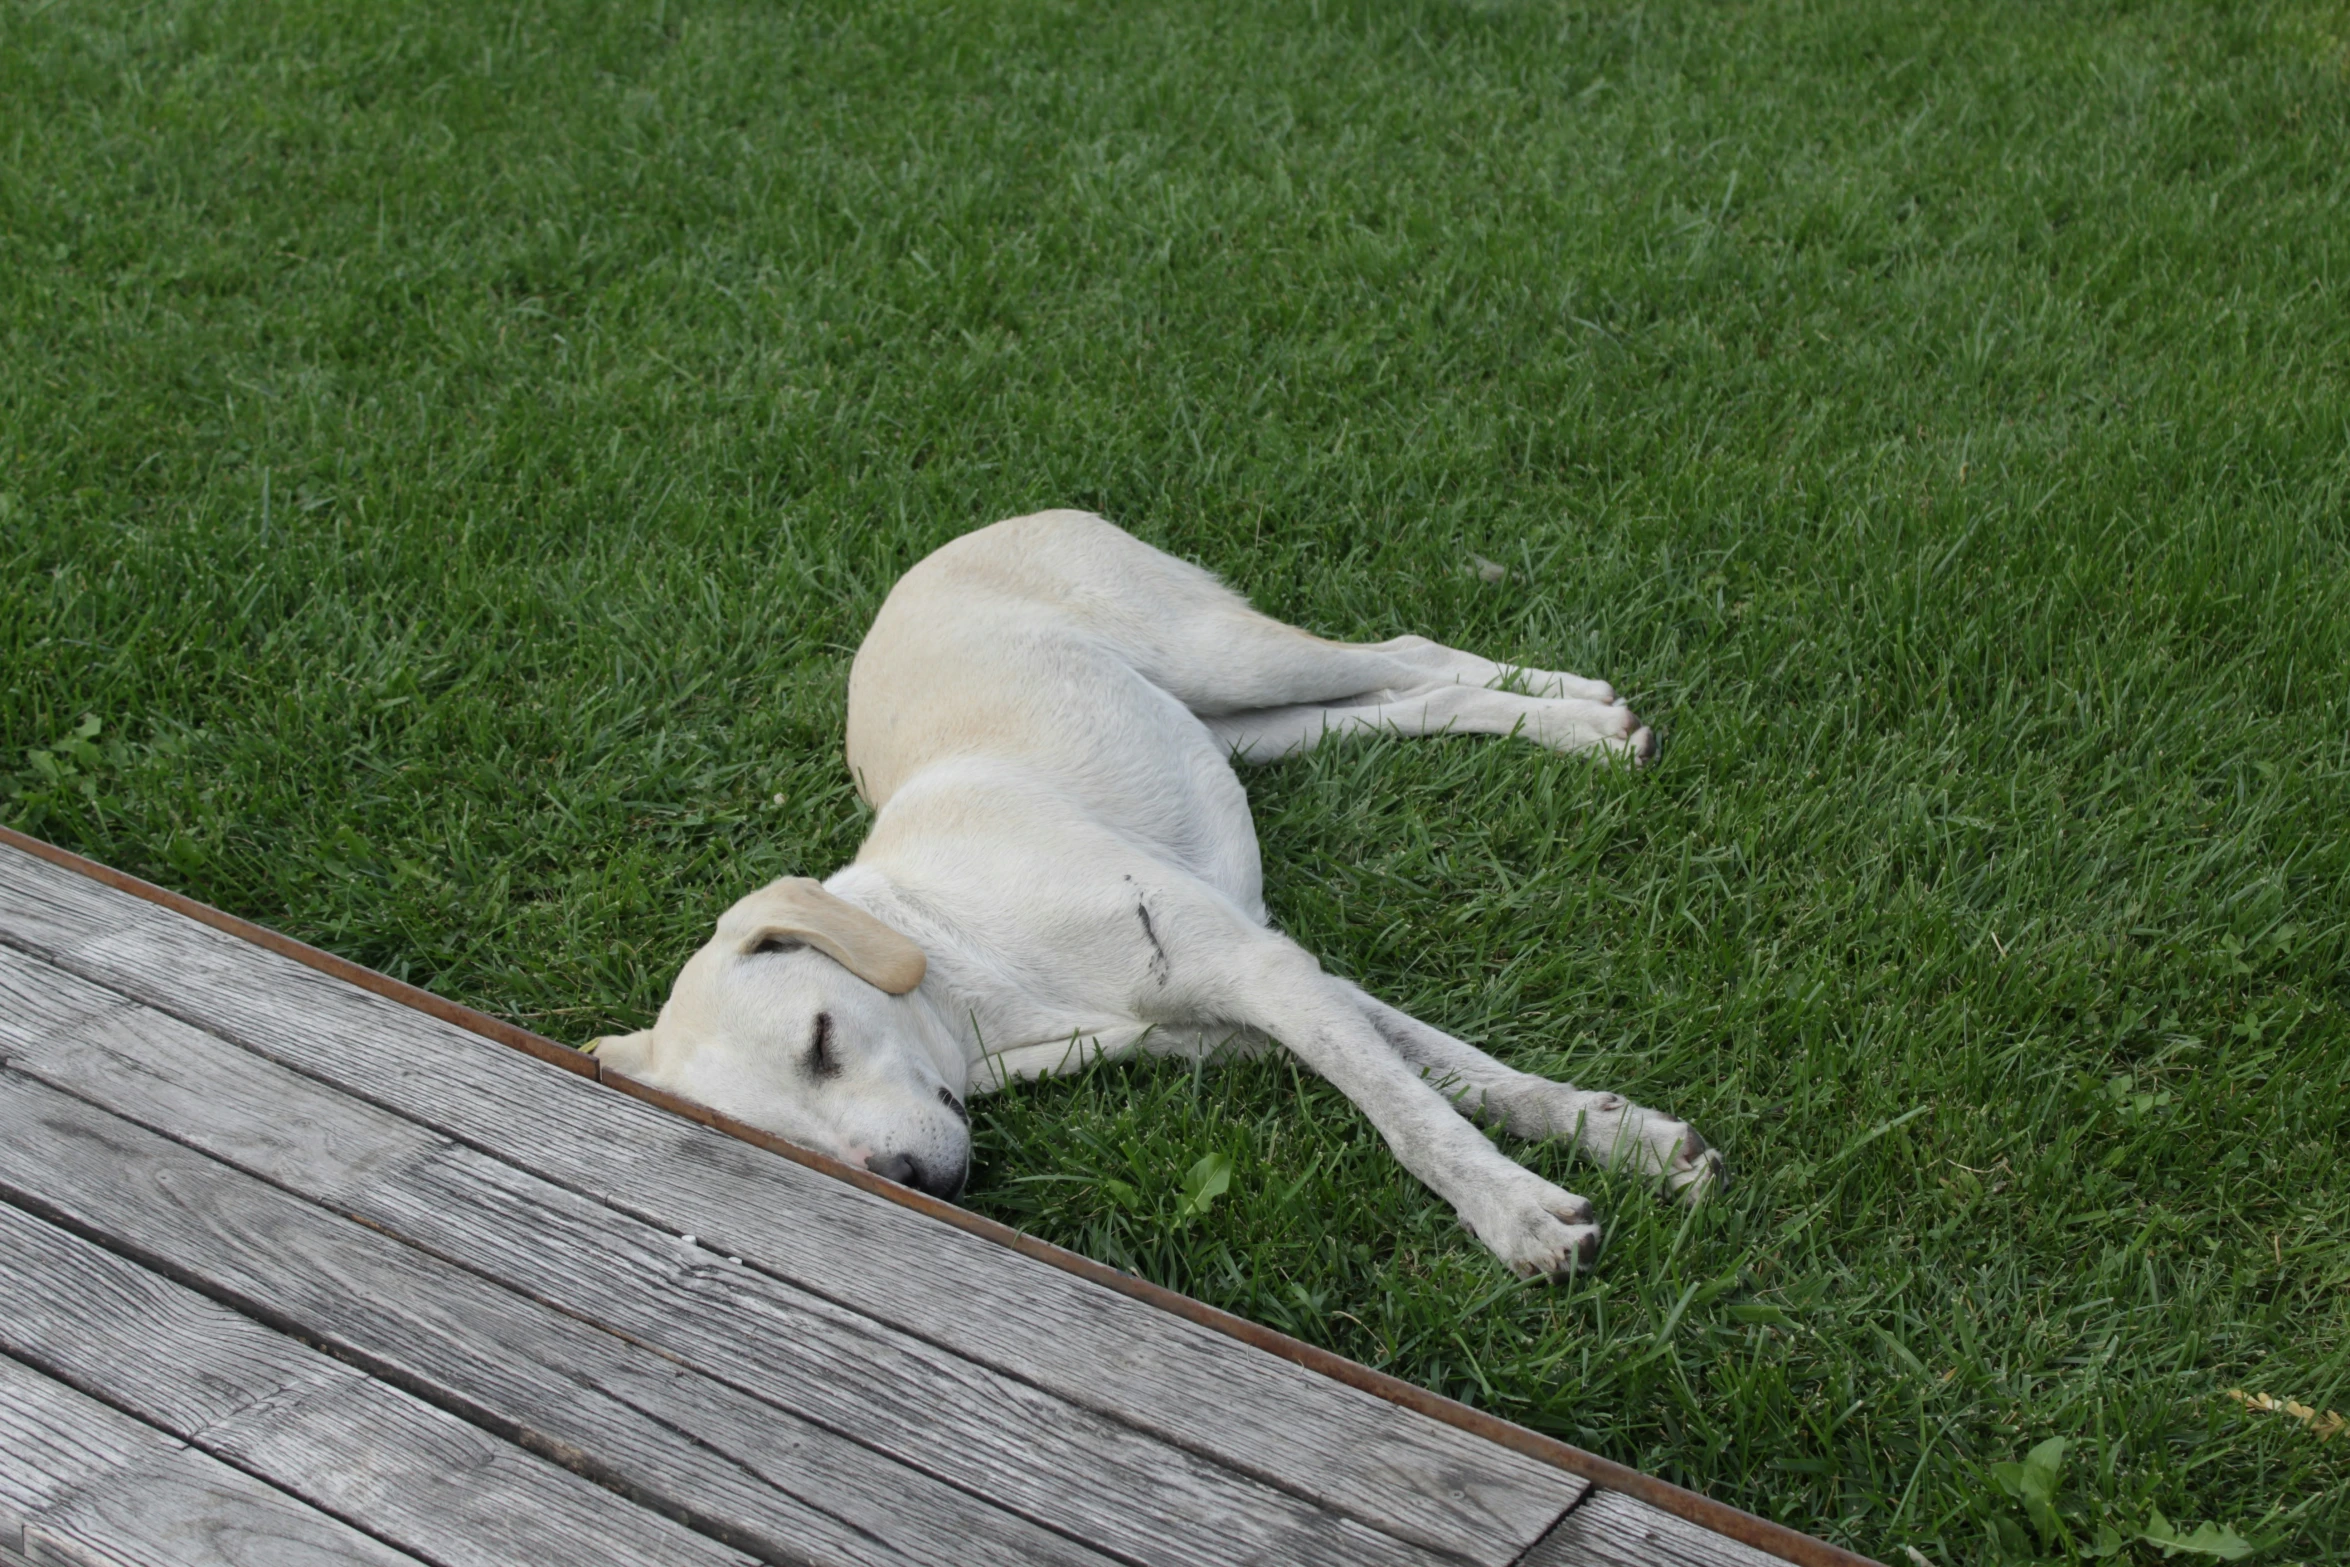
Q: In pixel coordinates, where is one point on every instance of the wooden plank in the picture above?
(1291, 1428)
(396, 1467)
(82, 1482)
(1610, 1529)
(994, 1435)
(699, 1450)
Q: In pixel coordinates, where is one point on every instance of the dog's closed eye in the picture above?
(778, 944)
(821, 1061)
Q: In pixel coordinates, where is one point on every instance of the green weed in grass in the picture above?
(448, 453)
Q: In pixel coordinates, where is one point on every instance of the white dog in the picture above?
(1062, 867)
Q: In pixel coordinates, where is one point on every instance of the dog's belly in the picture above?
(1054, 705)
(1161, 787)
(1165, 783)
(1044, 919)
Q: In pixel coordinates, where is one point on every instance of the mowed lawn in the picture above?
(449, 453)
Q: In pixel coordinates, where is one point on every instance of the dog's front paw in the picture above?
(1537, 1230)
(1615, 1131)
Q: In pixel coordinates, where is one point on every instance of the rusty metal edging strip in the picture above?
(1719, 1517)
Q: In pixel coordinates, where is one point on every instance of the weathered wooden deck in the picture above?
(297, 1265)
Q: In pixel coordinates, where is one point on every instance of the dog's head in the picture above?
(801, 1017)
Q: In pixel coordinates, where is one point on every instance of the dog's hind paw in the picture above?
(1566, 724)
(1558, 683)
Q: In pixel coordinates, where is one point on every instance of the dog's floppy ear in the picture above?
(797, 908)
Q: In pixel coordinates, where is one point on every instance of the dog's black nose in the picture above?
(909, 1171)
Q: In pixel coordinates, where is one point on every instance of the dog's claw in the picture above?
(1580, 1252)
(1698, 1171)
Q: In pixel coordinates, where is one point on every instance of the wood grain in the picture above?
(402, 1470)
(1612, 1530)
(732, 1465)
(996, 1436)
(82, 1482)
(1203, 1392)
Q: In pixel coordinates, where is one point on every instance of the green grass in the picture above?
(449, 452)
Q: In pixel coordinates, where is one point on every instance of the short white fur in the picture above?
(1044, 718)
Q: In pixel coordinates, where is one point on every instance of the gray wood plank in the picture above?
(1610, 1529)
(82, 1482)
(1378, 1463)
(735, 1466)
(322, 1431)
(990, 1434)
(976, 1428)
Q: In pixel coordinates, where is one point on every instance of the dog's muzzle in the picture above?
(906, 1170)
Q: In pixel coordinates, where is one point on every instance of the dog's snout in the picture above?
(936, 1180)
(947, 1097)
(947, 1185)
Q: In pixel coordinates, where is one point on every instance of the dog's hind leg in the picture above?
(1606, 1127)
(1436, 664)
(1563, 724)
(1226, 659)
(1193, 637)
(1267, 690)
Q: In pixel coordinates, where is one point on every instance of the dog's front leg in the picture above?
(1608, 1128)
(1272, 984)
